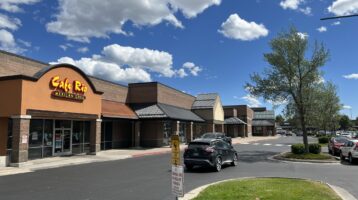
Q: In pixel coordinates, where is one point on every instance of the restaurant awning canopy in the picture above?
(159, 110)
(234, 120)
(112, 109)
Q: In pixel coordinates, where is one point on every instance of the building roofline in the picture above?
(159, 83)
(23, 57)
(233, 106)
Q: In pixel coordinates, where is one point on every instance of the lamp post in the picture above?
(339, 17)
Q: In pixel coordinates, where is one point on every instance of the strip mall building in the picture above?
(58, 110)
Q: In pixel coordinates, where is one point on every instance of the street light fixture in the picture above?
(339, 17)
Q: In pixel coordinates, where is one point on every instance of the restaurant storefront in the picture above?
(56, 112)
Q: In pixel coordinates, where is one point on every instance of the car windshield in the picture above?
(197, 145)
(208, 135)
(340, 140)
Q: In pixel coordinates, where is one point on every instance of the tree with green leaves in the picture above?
(291, 76)
(279, 119)
(326, 107)
(345, 122)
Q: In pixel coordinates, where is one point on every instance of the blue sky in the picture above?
(195, 46)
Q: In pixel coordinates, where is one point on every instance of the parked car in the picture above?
(335, 143)
(299, 133)
(288, 133)
(350, 150)
(209, 152)
(281, 131)
(217, 135)
(347, 134)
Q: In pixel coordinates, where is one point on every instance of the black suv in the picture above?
(216, 135)
(209, 152)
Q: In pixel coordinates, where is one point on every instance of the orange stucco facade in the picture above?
(22, 95)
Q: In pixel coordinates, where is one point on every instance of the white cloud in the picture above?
(13, 5)
(303, 35)
(9, 23)
(251, 100)
(193, 69)
(127, 64)
(347, 107)
(290, 4)
(7, 42)
(351, 76)
(344, 7)
(105, 17)
(25, 43)
(295, 5)
(107, 70)
(236, 28)
(153, 60)
(322, 29)
(336, 23)
(181, 73)
(83, 50)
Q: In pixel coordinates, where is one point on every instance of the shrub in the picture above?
(323, 140)
(314, 148)
(298, 149)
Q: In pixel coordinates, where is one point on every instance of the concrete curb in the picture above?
(342, 193)
(280, 157)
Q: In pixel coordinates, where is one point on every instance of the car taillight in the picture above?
(209, 149)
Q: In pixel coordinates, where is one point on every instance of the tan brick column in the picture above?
(175, 127)
(189, 131)
(20, 139)
(95, 136)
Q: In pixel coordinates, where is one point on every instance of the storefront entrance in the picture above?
(63, 141)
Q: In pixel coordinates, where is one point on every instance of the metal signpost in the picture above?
(177, 169)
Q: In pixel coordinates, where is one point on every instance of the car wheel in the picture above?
(218, 164)
(330, 152)
(351, 159)
(235, 161)
(342, 157)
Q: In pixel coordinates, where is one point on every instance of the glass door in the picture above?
(62, 141)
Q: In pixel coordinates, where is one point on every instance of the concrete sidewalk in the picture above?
(109, 155)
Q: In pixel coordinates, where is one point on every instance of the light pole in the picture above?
(339, 17)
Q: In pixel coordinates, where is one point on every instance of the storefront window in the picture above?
(80, 137)
(48, 138)
(106, 135)
(9, 137)
(182, 131)
(35, 138)
(167, 130)
(62, 124)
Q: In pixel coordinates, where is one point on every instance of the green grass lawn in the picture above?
(308, 156)
(268, 189)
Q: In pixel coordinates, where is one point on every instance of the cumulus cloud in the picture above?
(336, 23)
(127, 64)
(181, 73)
(351, 76)
(303, 35)
(344, 7)
(9, 23)
(347, 107)
(105, 17)
(251, 100)
(237, 28)
(83, 50)
(7, 42)
(322, 29)
(295, 5)
(192, 68)
(13, 5)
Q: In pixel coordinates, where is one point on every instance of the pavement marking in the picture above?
(255, 143)
(245, 143)
(278, 145)
(267, 144)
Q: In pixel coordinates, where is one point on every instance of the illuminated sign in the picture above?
(65, 89)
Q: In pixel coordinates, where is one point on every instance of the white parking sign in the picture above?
(178, 180)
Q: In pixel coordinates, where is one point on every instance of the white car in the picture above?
(347, 134)
(350, 150)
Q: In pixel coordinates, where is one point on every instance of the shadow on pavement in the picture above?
(256, 156)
